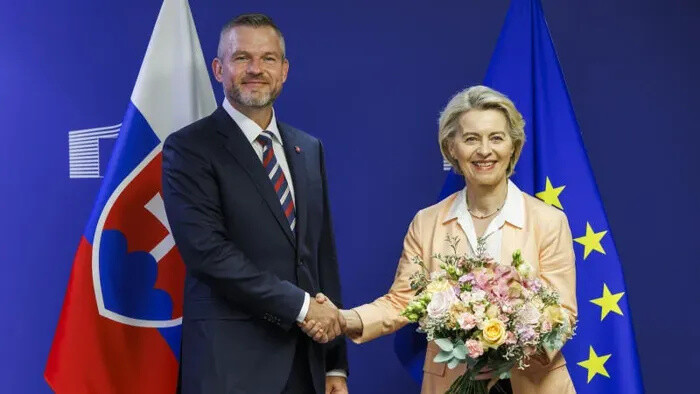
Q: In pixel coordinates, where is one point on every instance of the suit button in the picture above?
(300, 262)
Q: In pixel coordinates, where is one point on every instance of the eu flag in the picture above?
(602, 356)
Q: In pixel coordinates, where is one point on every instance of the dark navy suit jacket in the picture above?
(246, 270)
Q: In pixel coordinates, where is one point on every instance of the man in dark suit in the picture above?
(247, 201)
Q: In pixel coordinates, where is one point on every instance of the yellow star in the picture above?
(550, 195)
(608, 302)
(594, 364)
(591, 241)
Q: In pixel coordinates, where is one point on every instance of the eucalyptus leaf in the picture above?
(443, 357)
(460, 352)
(444, 344)
(453, 363)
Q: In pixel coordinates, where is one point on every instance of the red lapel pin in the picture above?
(297, 149)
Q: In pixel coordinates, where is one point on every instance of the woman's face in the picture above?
(483, 147)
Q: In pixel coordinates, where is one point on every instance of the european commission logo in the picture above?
(446, 166)
(84, 150)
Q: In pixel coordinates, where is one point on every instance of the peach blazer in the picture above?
(545, 242)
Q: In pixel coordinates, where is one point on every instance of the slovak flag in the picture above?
(120, 326)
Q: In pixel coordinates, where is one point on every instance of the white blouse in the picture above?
(513, 212)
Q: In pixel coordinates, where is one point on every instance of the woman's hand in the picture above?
(485, 374)
(352, 328)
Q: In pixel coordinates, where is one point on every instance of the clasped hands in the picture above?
(324, 321)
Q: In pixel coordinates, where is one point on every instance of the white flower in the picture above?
(479, 311)
(525, 270)
(529, 314)
(440, 303)
(466, 297)
(478, 295)
(437, 274)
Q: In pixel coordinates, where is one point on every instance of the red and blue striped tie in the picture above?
(276, 175)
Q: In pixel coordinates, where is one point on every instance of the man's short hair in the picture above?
(252, 20)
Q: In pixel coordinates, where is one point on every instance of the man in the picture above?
(247, 201)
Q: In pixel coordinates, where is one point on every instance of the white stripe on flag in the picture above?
(173, 88)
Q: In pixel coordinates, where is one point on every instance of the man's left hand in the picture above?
(336, 385)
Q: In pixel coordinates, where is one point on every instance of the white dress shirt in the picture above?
(513, 212)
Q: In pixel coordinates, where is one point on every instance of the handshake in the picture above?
(324, 321)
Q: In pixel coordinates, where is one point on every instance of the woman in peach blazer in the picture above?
(481, 134)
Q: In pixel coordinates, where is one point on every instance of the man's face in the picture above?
(252, 68)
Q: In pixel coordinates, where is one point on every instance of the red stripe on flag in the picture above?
(93, 354)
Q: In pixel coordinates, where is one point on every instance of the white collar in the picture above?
(251, 129)
(513, 210)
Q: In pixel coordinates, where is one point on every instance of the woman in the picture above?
(481, 134)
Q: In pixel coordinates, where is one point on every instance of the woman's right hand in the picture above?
(353, 326)
(485, 374)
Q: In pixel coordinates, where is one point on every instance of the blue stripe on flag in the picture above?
(136, 140)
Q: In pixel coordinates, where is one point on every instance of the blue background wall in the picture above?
(368, 78)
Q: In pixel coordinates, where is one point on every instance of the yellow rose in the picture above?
(554, 314)
(437, 286)
(493, 333)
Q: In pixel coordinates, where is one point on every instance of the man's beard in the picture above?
(252, 100)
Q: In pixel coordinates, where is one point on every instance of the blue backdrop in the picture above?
(369, 79)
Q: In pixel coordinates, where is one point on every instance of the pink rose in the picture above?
(474, 348)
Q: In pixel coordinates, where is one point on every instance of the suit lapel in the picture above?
(237, 144)
(295, 160)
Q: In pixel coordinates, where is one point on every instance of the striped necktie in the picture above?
(276, 175)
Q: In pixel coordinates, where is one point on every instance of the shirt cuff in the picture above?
(304, 308)
(337, 372)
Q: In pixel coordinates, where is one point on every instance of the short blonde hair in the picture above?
(482, 98)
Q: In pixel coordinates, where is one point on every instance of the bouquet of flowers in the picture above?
(488, 315)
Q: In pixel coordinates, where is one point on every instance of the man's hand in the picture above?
(336, 385)
(351, 324)
(323, 321)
